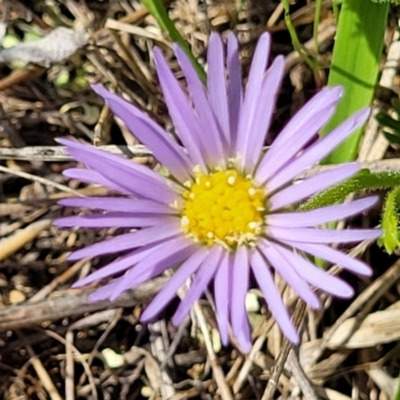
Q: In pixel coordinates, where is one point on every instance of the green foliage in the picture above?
(387, 1)
(296, 42)
(364, 180)
(355, 65)
(397, 395)
(390, 222)
(390, 122)
(157, 10)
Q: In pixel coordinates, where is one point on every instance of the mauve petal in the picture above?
(104, 292)
(93, 152)
(334, 256)
(167, 255)
(210, 131)
(134, 182)
(165, 295)
(240, 286)
(253, 89)
(289, 274)
(112, 220)
(164, 148)
(328, 96)
(311, 235)
(311, 116)
(120, 265)
(91, 155)
(314, 275)
(257, 128)
(265, 281)
(150, 262)
(234, 87)
(128, 241)
(321, 215)
(318, 150)
(121, 204)
(221, 295)
(203, 277)
(244, 335)
(216, 83)
(181, 112)
(310, 186)
(278, 156)
(90, 176)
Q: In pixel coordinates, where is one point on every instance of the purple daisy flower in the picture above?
(226, 210)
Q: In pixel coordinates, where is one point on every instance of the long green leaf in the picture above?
(355, 65)
(157, 10)
(397, 395)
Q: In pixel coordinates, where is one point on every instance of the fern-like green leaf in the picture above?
(390, 222)
(364, 180)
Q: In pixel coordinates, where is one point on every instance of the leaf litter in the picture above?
(54, 343)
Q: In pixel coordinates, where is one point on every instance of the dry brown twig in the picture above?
(71, 303)
(219, 377)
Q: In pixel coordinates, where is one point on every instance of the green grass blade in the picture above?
(397, 395)
(296, 42)
(157, 10)
(355, 65)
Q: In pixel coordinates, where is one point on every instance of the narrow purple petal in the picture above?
(167, 255)
(203, 277)
(321, 215)
(234, 88)
(104, 292)
(118, 266)
(181, 112)
(216, 83)
(272, 296)
(112, 220)
(106, 156)
(258, 127)
(240, 286)
(311, 235)
(132, 180)
(253, 89)
(165, 295)
(334, 256)
(318, 150)
(310, 186)
(278, 156)
(120, 204)
(90, 176)
(221, 295)
(303, 125)
(289, 274)
(314, 275)
(112, 290)
(129, 241)
(164, 148)
(210, 131)
(328, 96)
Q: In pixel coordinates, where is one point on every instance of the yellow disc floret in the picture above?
(223, 207)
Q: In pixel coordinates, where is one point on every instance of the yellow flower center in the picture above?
(223, 207)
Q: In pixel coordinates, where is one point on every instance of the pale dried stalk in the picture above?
(59, 153)
(36, 178)
(43, 375)
(219, 377)
(19, 239)
(71, 303)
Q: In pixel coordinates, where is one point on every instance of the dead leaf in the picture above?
(377, 328)
(58, 45)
